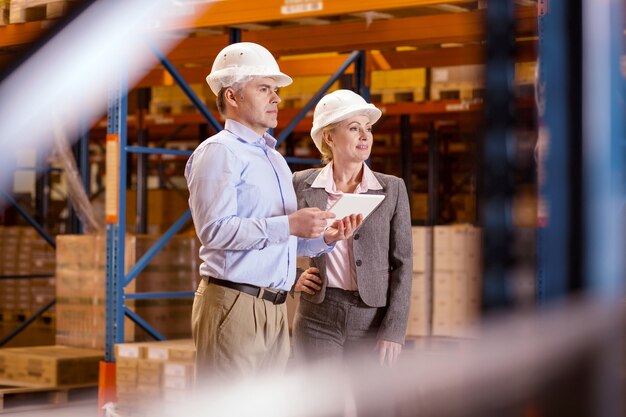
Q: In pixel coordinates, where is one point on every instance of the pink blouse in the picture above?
(340, 267)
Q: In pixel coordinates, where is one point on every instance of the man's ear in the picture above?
(230, 96)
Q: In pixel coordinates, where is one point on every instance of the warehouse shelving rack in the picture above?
(417, 30)
(599, 184)
(81, 150)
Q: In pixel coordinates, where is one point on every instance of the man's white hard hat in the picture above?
(240, 60)
(338, 106)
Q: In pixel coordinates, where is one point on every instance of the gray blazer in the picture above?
(382, 247)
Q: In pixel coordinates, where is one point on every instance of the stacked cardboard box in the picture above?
(150, 371)
(298, 93)
(419, 206)
(22, 11)
(172, 100)
(81, 289)
(24, 252)
(174, 269)
(399, 85)
(456, 279)
(421, 299)
(4, 12)
(166, 206)
(49, 366)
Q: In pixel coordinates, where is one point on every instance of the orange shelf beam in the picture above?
(341, 37)
(22, 33)
(230, 12)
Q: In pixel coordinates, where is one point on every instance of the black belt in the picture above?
(274, 296)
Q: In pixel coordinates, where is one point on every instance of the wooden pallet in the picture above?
(22, 11)
(14, 399)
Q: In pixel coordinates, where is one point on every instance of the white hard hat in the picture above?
(337, 106)
(241, 60)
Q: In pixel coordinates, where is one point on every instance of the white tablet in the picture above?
(355, 204)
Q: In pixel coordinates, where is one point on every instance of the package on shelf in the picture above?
(401, 85)
(42, 291)
(456, 303)
(22, 11)
(50, 365)
(172, 100)
(24, 252)
(4, 12)
(173, 269)
(457, 248)
(456, 279)
(81, 289)
(166, 206)
(153, 370)
(422, 248)
(399, 78)
(458, 82)
(419, 206)
(419, 322)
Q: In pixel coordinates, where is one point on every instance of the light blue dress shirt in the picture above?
(240, 193)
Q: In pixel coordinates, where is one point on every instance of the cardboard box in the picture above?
(160, 367)
(173, 269)
(421, 306)
(50, 365)
(81, 289)
(422, 248)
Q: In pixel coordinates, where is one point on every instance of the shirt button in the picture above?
(358, 262)
(356, 237)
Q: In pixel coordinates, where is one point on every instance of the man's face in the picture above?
(257, 104)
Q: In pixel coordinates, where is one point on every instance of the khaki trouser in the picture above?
(237, 334)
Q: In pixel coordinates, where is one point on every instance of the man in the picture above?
(244, 210)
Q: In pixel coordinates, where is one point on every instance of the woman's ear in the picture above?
(328, 138)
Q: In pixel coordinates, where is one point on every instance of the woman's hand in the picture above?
(388, 352)
(342, 229)
(309, 282)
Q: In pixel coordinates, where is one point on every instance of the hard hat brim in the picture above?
(229, 76)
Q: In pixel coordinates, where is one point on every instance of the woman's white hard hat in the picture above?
(338, 106)
(241, 60)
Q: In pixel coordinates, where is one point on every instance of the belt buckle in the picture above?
(276, 297)
(281, 297)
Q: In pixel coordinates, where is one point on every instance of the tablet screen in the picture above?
(355, 204)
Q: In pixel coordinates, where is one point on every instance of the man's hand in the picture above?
(388, 352)
(308, 222)
(309, 282)
(342, 229)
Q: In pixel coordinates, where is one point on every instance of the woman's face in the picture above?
(351, 140)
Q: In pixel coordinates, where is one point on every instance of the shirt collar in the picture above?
(248, 135)
(325, 180)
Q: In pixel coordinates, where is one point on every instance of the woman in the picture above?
(355, 298)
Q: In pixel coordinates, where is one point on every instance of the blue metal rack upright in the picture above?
(117, 153)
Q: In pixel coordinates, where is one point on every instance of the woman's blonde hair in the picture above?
(327, 152)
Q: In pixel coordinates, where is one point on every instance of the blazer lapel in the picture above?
(315, 197)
